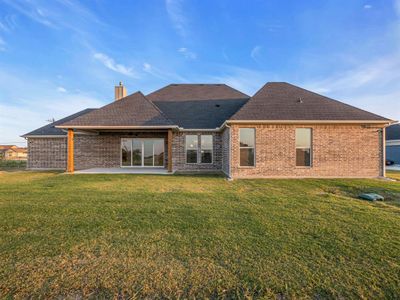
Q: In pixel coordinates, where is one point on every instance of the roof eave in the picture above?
(115, 127)
(309, 122)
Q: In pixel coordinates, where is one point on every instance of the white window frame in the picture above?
(197, 150)
(254, 152)
(142, 158)
(311, 147)
(212, 149)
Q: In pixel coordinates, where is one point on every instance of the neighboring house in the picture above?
(281, 131)
(12, 152)
(393, 143)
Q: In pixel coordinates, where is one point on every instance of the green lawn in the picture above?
(128, 236)
(393, 174)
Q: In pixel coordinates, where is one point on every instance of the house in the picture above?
(281, 131)
(393, 143)
(12, 152)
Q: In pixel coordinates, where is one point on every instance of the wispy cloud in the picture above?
(156, 72)
(373, 86)
(367, 6)
(31, 10)
(187, 53)
(32, 102)
(243, 79)
(61, 89)
(255, 52)
(177, 16)
(2, 44)
(109, 63)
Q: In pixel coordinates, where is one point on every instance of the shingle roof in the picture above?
(283, 101)
(50, 129)
(188, 92)
(198, 105)
(205, 114)
(133, 110)
(393, 132)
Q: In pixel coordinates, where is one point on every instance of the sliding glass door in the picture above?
(142, 152)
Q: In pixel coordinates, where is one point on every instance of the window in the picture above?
(247, 146)
(303, 147)
(191, 149)
(206, 149)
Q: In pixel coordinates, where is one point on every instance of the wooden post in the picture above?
(70, 151)
(170, 150)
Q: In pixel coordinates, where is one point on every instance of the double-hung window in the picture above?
(247, 147)
(206, 149)
(303, 147)
(191, 149)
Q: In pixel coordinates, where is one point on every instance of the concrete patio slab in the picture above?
(157, 171)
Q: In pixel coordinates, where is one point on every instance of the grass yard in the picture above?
(130, 236)
(393, 174)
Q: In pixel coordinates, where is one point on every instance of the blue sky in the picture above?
(58, 57)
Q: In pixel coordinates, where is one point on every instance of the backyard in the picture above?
(135, 236)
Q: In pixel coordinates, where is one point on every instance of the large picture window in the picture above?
(247, 146)
(191, 149)
(206, 149)
(303, 147)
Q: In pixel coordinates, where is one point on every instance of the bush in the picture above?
(12, 164)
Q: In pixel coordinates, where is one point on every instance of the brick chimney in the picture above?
(120, 91)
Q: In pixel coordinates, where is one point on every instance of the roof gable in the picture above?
(393, 132)
(133, 110)
(194, 92)
(284, 101)
(50, 129)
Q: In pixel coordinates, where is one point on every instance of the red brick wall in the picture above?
(338, 151)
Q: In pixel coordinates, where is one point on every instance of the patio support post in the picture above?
(70, 151)
(169, 150)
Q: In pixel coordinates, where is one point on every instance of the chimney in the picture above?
(120, 91)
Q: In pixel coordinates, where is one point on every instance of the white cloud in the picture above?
(367, 6)
(176, 15)
(397, 7)
(2, 44)
(31, 101)
(187, 53)
(112, 65)
(373, 86)
(156, 72)
(245, 80)
(61, 89)
(255, 52)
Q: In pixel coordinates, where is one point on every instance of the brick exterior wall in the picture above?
(225, 137)
(104, 150)
(179, 154)
(338, 151)
(47, 153)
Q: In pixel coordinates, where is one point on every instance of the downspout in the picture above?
(229, 151)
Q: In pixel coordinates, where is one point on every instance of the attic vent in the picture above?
(217, 105)
(299, 100)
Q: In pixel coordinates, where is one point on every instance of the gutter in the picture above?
(115, 127)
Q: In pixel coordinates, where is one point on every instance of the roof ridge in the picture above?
(156, 107)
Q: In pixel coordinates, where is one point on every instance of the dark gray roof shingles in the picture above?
(393, 132)
(133, 110)
(50, 129)
(195, 106)
(189, 92)
(284, 101)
